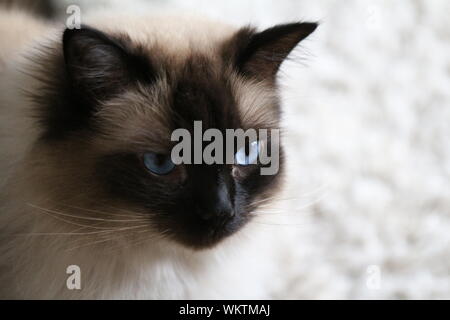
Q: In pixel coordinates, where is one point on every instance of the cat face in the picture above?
(113, 103)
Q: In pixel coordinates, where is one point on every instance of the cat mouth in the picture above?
(202, 234)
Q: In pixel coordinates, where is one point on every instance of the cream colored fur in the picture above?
(34, 250)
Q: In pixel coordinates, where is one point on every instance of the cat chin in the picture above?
(192, 236)
(206, 242)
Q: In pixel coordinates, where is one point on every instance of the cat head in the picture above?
(109, 104)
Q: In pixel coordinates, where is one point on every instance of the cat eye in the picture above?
(245, 157)
(158, 163)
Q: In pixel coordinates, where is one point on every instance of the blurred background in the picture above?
(367, 118)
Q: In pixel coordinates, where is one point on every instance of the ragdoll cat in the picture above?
(86, 178)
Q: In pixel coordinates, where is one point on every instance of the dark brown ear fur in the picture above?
(99, 65)
(260, 54)
(89, 67)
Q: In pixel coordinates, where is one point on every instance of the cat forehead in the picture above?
(196, 82)
(177, 34)
(199, 89)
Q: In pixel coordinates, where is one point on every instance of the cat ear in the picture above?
(98, 65)
(260, 54)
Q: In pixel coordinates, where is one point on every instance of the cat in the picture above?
(86, 118)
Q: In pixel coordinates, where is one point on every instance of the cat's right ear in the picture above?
(99, 65)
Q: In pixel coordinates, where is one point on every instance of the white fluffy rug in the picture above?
(367, 102)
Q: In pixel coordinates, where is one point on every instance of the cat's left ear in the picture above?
(260, 54)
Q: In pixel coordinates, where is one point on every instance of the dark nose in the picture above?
(217, 203)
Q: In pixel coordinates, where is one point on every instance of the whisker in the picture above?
(282, 199)
(111, 238)
(49, 213)
(153, 236)
(105, 213)
(274, 210)
(83, 218)
(279, 224)
(90, 244)
(78, 233)
(128, 211)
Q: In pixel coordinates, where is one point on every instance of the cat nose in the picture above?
(217, 213)
(224, 207)
(219, 204)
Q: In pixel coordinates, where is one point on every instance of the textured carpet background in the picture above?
(367, 102)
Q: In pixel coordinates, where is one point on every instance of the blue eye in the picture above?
(243, 158)
(157, 163)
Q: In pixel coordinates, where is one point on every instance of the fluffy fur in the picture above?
(55, 214)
